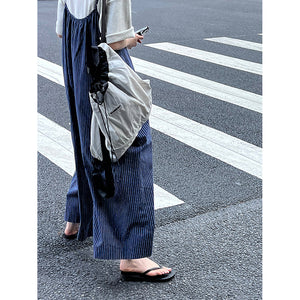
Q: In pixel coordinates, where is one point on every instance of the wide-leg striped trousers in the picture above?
(122, 226)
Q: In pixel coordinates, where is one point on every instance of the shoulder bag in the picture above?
(121, 101)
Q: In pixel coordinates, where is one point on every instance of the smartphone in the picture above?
(143, 30)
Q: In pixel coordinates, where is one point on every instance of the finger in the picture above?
(140, 37)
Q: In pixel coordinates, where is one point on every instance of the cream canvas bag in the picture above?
(121, 103)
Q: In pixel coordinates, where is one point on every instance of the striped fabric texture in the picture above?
(122, 225)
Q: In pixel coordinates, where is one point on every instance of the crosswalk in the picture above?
(237, 43)
(214, 58)
(200, 85)
(54, 141)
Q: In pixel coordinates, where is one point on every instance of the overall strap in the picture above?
(103, 22)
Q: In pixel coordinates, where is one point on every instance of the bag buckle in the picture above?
(98, 97)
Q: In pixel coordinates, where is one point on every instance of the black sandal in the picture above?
(134, 276)
(70, 236)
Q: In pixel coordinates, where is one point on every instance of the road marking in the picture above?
(200, 85)
(194, 83)
(51, 71)
(215, 58)
(55, 143)
(237, 43)
(231, 150)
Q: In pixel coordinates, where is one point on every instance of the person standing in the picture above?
(121, 222)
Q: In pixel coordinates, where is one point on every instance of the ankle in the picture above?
(71, 228)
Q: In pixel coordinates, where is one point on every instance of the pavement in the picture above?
(217, 255)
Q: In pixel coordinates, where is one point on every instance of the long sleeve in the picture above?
(60, 16)
(119, 23)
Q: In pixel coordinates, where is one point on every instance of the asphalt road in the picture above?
(213, 239)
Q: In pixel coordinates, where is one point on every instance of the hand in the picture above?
(132, 42)
(59, 35)
(129, 43)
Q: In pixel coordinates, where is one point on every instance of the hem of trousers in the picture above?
(113, 253)
(72, 219)
(84, 234)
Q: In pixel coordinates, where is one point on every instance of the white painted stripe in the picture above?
(163, 199)
(260, 34)
(237, 43)
(56, 153)
(215, 58)
(57, 133)
(54, 142)
(194, 83)
(50, 71)
(200, 85)
(230, 150)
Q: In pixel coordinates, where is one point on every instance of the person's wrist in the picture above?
(127, 43)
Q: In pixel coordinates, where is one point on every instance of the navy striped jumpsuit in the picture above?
(122, 225)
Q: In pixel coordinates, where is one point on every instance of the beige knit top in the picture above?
(119, 24)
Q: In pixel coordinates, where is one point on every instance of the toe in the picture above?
(161, 271)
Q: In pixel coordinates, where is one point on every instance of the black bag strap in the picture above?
(103, 22)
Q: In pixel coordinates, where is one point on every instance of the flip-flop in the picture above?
(70, 236)
(134, 276)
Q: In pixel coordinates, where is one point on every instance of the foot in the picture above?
(141, 265)
(71, 228)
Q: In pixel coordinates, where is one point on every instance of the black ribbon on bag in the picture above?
(98, 69)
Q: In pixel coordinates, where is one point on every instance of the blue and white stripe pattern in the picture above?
(123, 225)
